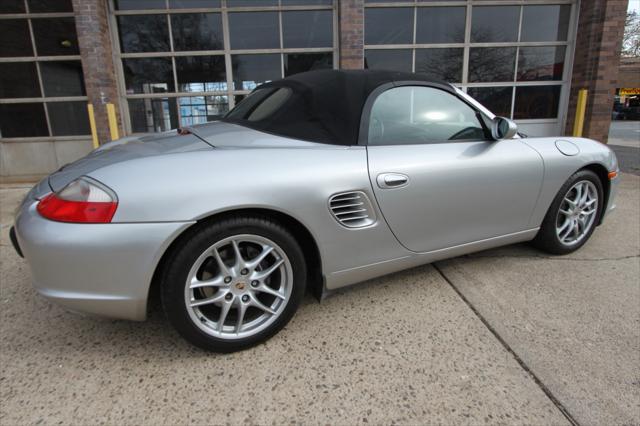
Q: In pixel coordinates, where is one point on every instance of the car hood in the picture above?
(207, 137)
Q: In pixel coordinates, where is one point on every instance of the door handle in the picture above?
(392, 180)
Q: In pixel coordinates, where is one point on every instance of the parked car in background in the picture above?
(314, 182)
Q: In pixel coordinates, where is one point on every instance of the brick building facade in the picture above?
(169, 63)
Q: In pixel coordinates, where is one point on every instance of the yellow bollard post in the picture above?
(113, 123)
(581, 109)
(92, 125)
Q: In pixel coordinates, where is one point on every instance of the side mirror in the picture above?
(503, 128)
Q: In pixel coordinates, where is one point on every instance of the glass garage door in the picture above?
(513, 56)
(185, 62)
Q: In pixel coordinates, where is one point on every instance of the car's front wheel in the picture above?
(573, 215)
(233, 283)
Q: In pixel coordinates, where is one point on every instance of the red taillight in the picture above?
(81, 201)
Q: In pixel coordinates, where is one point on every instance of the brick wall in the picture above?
(351, 28)
(597, 57)
(97, 61)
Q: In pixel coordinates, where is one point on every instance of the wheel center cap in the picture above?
(240, 286)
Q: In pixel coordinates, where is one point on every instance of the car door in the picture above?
(437, 178)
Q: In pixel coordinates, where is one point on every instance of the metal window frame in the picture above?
(467, 45)
(37, 59)
(227, 52)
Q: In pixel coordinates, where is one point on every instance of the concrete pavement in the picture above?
(507, 336)
(624, 139)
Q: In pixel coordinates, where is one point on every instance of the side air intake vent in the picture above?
(352, 209)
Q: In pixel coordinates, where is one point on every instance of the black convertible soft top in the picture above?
(320, 106)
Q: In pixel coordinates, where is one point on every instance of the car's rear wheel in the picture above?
(573, 215)
(231, 284)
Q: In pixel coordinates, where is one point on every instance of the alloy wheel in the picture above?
(238, 286)
(577, 213)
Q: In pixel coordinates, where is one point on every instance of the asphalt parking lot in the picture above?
(506, 336)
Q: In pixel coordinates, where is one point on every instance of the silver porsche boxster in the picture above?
(312, 183)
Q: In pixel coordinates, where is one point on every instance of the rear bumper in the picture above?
(101, 269)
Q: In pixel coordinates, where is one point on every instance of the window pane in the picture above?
(494, 23)
(14, 38)
(202, 109)
(12, 6)
(254, 30)
(305, 2)
(63, 78)
(44, 6)
(545, 23)
(496, 99)
(195, 4)
(307, 29)
(492, 63)
(440, 64)
(19, 80)
(440, 25)
(153, 115)
(541, 63)
(394, 60)
(139, 4)
(245, 3)
(148, 75)
(55, 36)
(144, 33)
(536, 102)
(251, 70)
(301, 62)
(417, 115)
(197, 31)
(388, 25)
(68, 118)
(201, 73)
(22, 120)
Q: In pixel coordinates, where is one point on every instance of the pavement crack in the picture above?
(554, 258)
(508, 348)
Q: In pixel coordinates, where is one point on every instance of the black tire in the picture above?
(547, 239)
(195, 242)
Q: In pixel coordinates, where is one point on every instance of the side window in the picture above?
(421, 115)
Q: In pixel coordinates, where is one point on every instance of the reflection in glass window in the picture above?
(492, 64)
(143, 33)
(12, 6)
(201, 73)
(421, 115)
(494, 24)
(247, 3)
(68, 118)
(254, 30)
(249, 71)
(536, 102)
(440, 64)
(389, 59)
(22, 120)
(14, 38)
(541, 63)
(440, 25)
(295, 63)
(139, 4)
(62, 78)
(306, 2)
(388, 25)
(202, 109)
(307, 29)
(19, 80)
(49, 6)
(197, 31)
(148, 75)
(55, 36)
(545, 23)
(153, 115)
(495, 99)
(193, 4)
